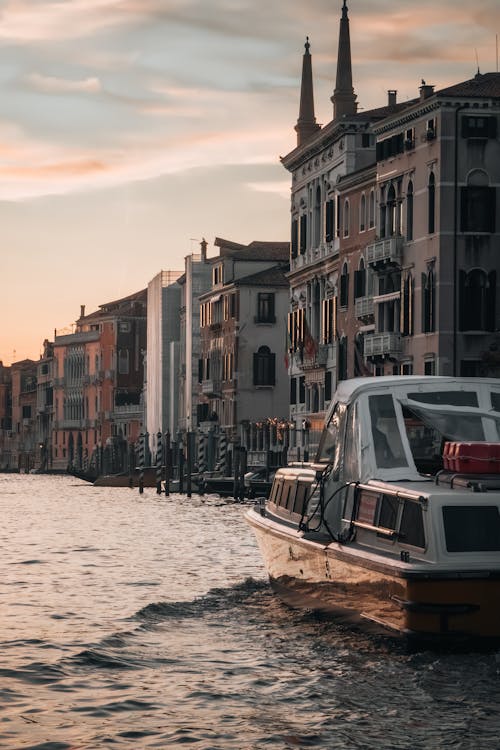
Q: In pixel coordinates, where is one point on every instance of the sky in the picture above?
(132, 129)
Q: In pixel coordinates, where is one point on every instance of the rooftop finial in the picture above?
(307, 45)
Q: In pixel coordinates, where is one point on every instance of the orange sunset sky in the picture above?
(130, 129)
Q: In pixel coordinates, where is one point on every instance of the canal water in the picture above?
(131, 621)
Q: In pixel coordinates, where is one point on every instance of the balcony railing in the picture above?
(310, 362)
(383, 252)
(365, 307)
(211, 387)
(383, 345)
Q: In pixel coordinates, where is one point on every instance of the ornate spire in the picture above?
(306, 124)
(344, 98)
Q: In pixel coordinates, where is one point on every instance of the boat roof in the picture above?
(348, 389)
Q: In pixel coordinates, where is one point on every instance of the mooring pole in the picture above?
(159, 461)
(189, 451)
(168, 461)
(141, 463)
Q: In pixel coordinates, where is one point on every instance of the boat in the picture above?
(396, 523)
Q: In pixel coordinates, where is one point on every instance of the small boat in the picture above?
(396, 524)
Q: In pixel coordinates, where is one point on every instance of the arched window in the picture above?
(409, 211)
(383, 214)
(362, 213)
(346, 223)
(431, 196)
(371, 210)
(477, 300)
(478, 202)
(317, 217)
(360, 280)
(407, 306)
(344, 286)
(391, 211)
(264, 367)
(428, 302)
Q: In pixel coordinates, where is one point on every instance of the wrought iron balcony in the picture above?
(211, 387)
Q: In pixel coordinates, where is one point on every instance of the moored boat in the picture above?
(397, 522)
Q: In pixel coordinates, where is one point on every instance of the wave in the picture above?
(215, 600)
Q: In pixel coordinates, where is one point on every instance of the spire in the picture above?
(306, 124)
(344, 98)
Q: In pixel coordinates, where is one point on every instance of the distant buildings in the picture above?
(392, 268)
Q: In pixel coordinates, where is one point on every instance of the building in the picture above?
(98, 380)
(24, 401)
(45, 407)
(394, 242)
(242, 372)
(5, 418)
(196, 280)
(163, 331)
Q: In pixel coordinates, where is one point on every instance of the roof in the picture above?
(347, 389)
(269, 277)
(115, 305)
(483, 85)
(256, 250)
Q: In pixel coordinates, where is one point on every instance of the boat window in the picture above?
(426, 443)
(411, 530)
(301, 497)
(495, 401)
(452, 425)
(329, 446)
(285, 492)
(276, 493)
(388, 515)
(351, 450)
(472, 528)
(450, 398)
(389, 452)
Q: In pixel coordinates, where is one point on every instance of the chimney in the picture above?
(426, 90)
(82, 311)
(392, 97)
(203, 247)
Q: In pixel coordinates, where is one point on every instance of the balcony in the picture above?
(319, 359)
(385, 252)
(211, 387)
(128, 409)
(383, 345)
(365, 308)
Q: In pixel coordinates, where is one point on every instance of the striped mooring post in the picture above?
(202, 452)
(221, 463)
(159, 461)
(141, 462)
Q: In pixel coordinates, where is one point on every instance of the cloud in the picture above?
(53, 85)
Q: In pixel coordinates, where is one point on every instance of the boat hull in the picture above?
(351, 586)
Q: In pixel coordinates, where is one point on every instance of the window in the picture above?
(362, 213)
(26, 412)
(409, 211)
(265, 308)
(391, 212)
(479, 127)
(293, 391)
(473, 528)
(344, 286)
(428, 302)
(389, 452)
(124, 326)
(409, 142)
(431, 129)
(407, 306)
(411, 529)
(123, 362)
(330, 221)
(371, 210)
(329, 320)
(295, 238)
(429, 367)
(302, 389)
(328, 386)
(346, 222)
(478, 203)
(296, 329)
(431, 200)
(477, 300)
(317, 217)
(303, 234)
(264, 367)
(360, 280)
(218, 275)
(342, 360)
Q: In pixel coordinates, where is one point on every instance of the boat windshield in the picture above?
(429, 425)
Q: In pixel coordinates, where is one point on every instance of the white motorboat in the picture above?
(397, 522)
